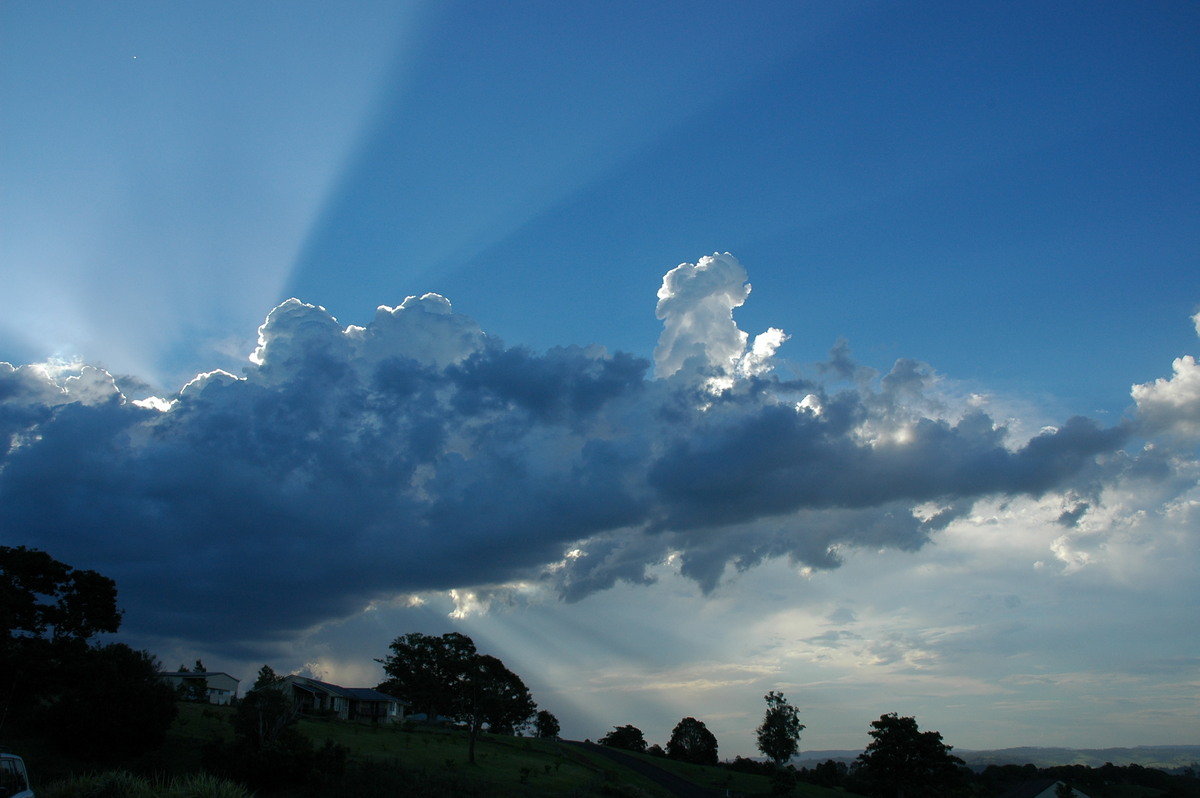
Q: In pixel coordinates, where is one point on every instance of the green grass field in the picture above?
(517, 766)
(505, 765)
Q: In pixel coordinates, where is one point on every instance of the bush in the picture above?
(121, 784)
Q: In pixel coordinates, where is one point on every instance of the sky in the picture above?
(675, 352)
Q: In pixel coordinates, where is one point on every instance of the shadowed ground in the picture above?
(678, 786)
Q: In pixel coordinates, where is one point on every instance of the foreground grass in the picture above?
(517, 766)
(722, 779)
(121, 784)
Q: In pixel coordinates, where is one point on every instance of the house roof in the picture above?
(355, 693)
(197, 674)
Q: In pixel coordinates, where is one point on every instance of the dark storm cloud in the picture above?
(416, 453)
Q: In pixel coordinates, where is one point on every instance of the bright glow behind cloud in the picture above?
(355, 452)
(379, 466)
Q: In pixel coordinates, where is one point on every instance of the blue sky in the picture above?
(970, 223)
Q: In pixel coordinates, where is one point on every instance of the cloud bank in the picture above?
(350, 465)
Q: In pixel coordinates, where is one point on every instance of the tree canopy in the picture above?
(428, 671)
(42, 597)
(546, 725)
(691, 741)
(447, 676)
(902, 761)
(103, 702)
(628, 737)
(779, 734)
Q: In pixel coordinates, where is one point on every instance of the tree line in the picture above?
(107, 703)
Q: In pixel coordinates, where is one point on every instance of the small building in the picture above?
(1040, 788)
(362, 704)
(221, 688)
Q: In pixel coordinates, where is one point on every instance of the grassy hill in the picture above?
(505, 766)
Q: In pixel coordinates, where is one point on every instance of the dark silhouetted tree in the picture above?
(269, 752)
(267, 677)
(44, 598)
(691, 741)
(904, 762)
(196, 688)
(428, 671)
(628, 737)
(110, 703)
(492, 694)
(546, 725)
(779, 734)
(446, 675)
(106, 703)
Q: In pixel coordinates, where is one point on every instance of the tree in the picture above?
(264, 716)
(428, 671)
(103, 702)
(546, 725)
(904, 761)
(691, 741)
(491, 694)
(42, 597)
(267, 677)
(628, 737)
(779, 734)
(269, 753)
(196, 689)
(108, 703)
(446, 675)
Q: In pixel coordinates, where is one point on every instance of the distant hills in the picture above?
(1163, 757)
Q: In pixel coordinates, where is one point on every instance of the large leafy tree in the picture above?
(43, 598)
(628, 737)
(107, 703)
(428, 671)
(447, 676)
(691, 741)
(779, 734)
(492, 694)
(902, 761)
(103, 702)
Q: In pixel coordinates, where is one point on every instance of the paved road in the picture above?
(679, 787)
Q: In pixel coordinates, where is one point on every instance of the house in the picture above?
(363, 704)
(220, 687)
(1040, 788)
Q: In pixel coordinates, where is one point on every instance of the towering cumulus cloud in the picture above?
(417, 453)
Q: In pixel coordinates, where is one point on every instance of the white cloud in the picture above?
(696, 304)
(1172, 405)
(416, 467)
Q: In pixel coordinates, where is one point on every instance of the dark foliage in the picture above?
(44, 598)
(627, 737)
(447, 676)
(100, 703)
(428, 671)
(546, 725)
(110, 704)
(691, 741)
(779, 734)
(903, 761)
(269, 752)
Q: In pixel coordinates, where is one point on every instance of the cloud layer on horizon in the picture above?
(351, 465)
